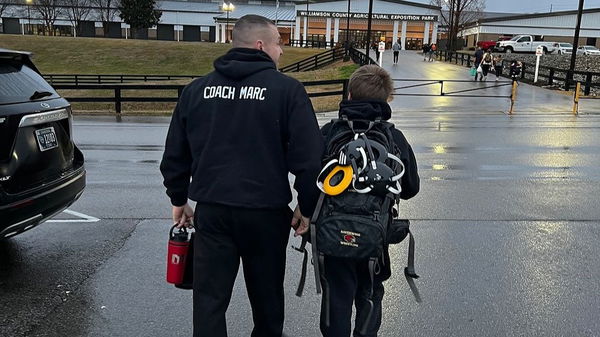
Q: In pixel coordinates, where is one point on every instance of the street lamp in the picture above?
(227, 7)
(29, 2)
(571, 71)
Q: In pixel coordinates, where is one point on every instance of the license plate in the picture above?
(46, 138)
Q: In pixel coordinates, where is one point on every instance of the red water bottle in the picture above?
(177, 252)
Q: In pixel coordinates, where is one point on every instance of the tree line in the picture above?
(139, 14)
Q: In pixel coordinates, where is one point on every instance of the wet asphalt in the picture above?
(506, 223)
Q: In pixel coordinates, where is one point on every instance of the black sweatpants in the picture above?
(396, 56)
(347, 281)
(224, 235)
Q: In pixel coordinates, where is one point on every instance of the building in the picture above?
(554, 26)
(321, 22)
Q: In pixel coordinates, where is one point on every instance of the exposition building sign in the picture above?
(374, 16)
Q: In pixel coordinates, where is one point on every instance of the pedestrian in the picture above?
(236, 133)
(348, 280)
(432, 50)
(396, 49)
(515, 69)
(375, 47)
(486, 64)
(426, 49)
(498, 66)
(478, 58)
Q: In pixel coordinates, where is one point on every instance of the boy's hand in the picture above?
(300, 223)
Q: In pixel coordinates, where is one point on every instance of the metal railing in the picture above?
(549, 75)
(458, 93)
(314, 43)
(315, 61)
(77, 79)
(360, 58)
(117, 97)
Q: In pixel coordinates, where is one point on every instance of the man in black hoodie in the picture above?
(348, 280)
(236, 133)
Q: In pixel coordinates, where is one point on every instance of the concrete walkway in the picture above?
(530, 99)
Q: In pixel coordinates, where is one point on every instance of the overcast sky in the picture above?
(532, 6)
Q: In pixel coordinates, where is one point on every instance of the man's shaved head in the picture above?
(250, 28)
(257, 32)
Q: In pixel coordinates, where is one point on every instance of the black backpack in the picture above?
(358, 221)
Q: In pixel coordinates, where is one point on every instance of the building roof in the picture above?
(284, 13)
(402, 2)
(531, 16)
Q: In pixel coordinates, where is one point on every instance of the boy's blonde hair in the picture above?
(371, 82)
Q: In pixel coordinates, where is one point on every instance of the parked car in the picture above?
(524, 44)
(563, 48)
(486, 45)
(588, 50)
(41, 170)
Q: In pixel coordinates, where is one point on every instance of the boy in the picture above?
(369, 90)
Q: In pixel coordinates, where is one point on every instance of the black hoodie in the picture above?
(237, 132)
(371, 110)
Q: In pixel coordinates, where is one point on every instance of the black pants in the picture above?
(224, 235)
(498, 70)
(347, 281)
(396, 56)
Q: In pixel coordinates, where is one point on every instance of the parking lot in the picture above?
(506, 224)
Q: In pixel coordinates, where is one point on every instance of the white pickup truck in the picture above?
(524, 44)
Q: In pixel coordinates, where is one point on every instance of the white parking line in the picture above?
(84, 217)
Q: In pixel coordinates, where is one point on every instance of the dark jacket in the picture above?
(237, 132)
(478, 57)
(371, 110)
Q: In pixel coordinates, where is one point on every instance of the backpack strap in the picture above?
(365, 324)
(409, 271)
(302, 249)
(313, 240)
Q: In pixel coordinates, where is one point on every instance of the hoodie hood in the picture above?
(240, 63)
(369, 110)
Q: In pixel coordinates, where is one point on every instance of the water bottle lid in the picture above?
(180, 236)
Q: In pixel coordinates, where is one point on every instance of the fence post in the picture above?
(567, 82)
(462, 59)
(316, 60)
(588, 83)
(179, 91)
(345, 89)
(99, 82)
(118, 100)
(551, 76)
(76, 80)
(576, 99)
(513, 96)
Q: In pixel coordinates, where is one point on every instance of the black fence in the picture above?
(316, 61)
(360, 58)
(314, 43)
(546, 75)
(117, 97)
(77, 79)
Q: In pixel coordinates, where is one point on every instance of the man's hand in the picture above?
(300, 223)
(183, 216)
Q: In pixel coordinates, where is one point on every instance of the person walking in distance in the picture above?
(237, 133)
(432, 49)
(478, 59)
(498, 66)
(426, 49)
(396, 49)
(486, 64)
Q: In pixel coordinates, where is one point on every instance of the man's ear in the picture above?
(349, 96)
(259, 44)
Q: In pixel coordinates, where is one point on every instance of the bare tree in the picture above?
(107, 10)
(3, 6)
(76, 11)
(48, 11)
(456, 13)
